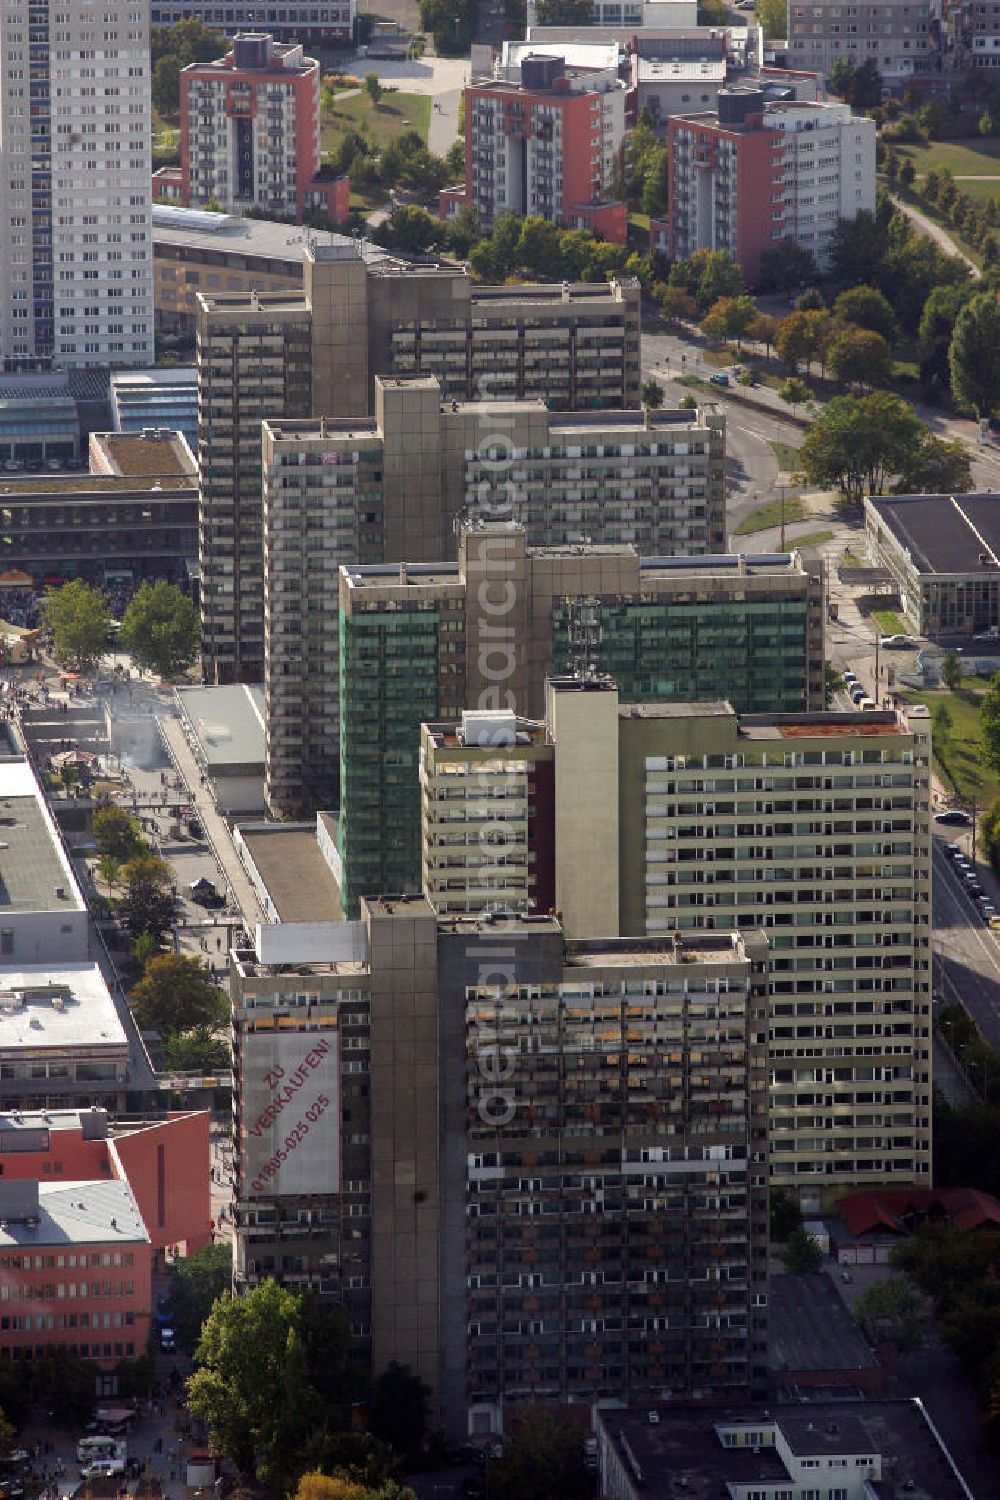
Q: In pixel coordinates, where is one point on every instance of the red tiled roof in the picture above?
(891, 1210)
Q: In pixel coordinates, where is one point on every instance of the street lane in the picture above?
(967, 954)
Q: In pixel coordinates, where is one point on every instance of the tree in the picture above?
(866, 307)
(972, 357)
(764, 328)
(943, 724)
(373, 88)
(937, 466)
(411, 229)
(266, 1364)
(857, 442)
(176, 994)
(772, 16)
(116, 834)
(799, 338)
(319, 1486)
(951, 671)
(866, 87)
(398, 1408)
(148, 904)
(801, 1254)
(165, 86)
(891, 1309)
(989, 723)
(110, 870)
(785, 266)
(196, 1283)
(729, 317)
(652, 394)
(564, 12)
(539, 248)
(860, 358)
(79, 620)
(677, 305)
(201, 1050)
(719, 276)
(858, 245)
(545, 1459)
(841, 75)
(160, 628)
(907, 172)
(794, 391)
(937, 324)
(785, 1213)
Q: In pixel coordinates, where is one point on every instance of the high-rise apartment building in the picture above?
(290, 20)
(751, 173)
(76, 259)
(573, 346)
(573, 1230)
(901, 37)
(546, 139)
(418, 644)
(250, 132)
(391, 488)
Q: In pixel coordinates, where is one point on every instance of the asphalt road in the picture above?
(967, 954)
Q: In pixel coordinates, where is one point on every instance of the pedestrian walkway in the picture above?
(215, 826)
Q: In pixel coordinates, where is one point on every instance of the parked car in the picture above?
(895, 642)
(718, 378)
(954, 817)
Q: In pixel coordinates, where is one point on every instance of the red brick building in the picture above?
(250, 133)
(85, 1214)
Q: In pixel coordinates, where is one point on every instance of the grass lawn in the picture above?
(975, 157)
(769, 514)
(888, 622)
(786, 454)
(396, 114)
(814, 539)
(958, 753)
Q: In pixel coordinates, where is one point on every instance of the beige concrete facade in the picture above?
(582, 718)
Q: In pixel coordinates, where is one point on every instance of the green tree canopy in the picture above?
(972, 357)
(652, 394)
(866, 308)
(858, 442)
(860, 358)
(374, 89)
(785, 1213)
(116, 832)
(989, 723)
(148, 904)
(785, 266)
(801, 1254)
(165, 87)
(398, 1409)
(161, 629)
(891, 1309)
(177, 994)
(951, 671)
(265, 1366)
(196, 1283)
(799, 337)
(564, 12)
(936, 466)
(718, 276)
(79, 620)
(545, 1459)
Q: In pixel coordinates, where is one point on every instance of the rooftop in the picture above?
(298, 879)
(65, 1006)
(677, 948)
(154, 451)
(228, 724)
(200, 229)
(80, 1213)
(810, 1328)
(876, 723)
(685, 1445)
(35, 875)
(95, 486)
(680, 70)
(944, 533)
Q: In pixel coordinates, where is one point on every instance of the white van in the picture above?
(99, 1449)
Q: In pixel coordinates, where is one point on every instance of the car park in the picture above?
(954, 817)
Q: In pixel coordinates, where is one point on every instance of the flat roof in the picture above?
(148, 453)
(685, 1443)
(810, 1328)
(681, 70)
(298, 879)
(63, 1006)
(201, 230)
(96, 486)
(228, 724)
(33, 868)
(80, 1213)
(944, 533)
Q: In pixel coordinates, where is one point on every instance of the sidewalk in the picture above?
(215, 826)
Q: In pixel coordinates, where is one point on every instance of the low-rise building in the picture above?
(166, 396)
(328, 24)
(62, 1041)
(225, 728)
(943, 554)
(43, 916)
(846, 1449)
(813, 1342)
(88, 1210)
(753, 173)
